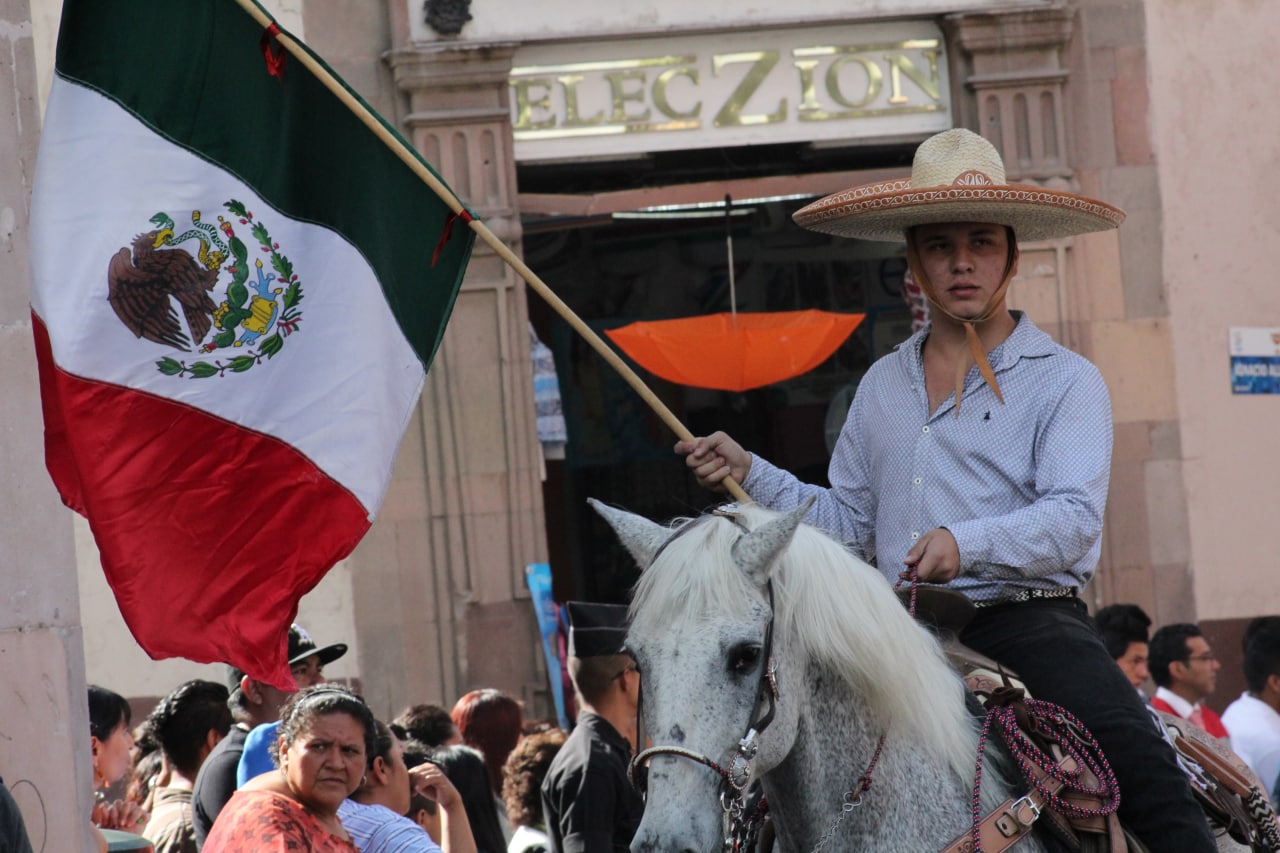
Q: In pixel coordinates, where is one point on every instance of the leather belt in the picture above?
(1031, 594)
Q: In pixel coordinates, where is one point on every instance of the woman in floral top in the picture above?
(325, 735)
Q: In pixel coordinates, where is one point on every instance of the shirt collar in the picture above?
(1180, 706)
(604, 730)
(1025, 341)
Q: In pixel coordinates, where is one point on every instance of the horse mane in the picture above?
(835, 609)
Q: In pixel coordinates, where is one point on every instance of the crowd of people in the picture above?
(1179, 661)
(243, 767)
(481, 778)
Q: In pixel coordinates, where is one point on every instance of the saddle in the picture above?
(946, 613)
(1233, 799)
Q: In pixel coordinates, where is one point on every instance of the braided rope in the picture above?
(1264, 818)
(1061, 726)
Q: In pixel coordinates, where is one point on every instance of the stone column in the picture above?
(44, 715)
(1010, 65)
(464, 515)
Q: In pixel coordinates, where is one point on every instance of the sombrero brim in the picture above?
(884, 211)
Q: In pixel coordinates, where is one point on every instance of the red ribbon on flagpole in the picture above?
(272, 51)
(448, 232)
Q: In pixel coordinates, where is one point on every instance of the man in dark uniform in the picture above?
(587, 799)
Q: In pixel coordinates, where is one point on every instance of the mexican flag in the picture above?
(235, 305)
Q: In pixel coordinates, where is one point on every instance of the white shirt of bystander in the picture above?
(1255, 736)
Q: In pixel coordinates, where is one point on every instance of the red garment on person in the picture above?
(1203, 717)
(267, 822)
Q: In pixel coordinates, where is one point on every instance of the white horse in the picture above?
(853, 672)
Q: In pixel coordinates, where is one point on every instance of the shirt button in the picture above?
(917, 481)
(926, 429)
(915, 535)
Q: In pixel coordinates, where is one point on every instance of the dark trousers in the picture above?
(1054, 648)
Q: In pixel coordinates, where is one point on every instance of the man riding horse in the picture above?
(978, 454)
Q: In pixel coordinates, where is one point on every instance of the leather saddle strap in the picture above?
(1217, 766)
(1011, 820)
(1003, 827)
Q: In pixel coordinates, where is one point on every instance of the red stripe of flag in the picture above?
(160, 479)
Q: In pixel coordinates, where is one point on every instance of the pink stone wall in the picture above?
(1215, 137)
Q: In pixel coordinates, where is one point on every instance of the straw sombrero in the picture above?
(957, 176)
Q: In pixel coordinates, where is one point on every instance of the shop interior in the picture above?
(660, 250)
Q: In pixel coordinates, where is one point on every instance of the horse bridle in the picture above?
(743, 813)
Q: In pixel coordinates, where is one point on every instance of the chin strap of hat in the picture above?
(971, 334)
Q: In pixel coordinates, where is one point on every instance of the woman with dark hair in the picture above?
(109, 735)
(429, 725)
(111, 742)
(465, 768)
(326, 735)
(522, 789)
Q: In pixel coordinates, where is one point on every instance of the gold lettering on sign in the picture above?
(526, 103)
(762, 62)
(808, 96)
(900, 65)
(569, 87)
(664, 93)
(619, 97)
(874, 80)
(861, 103)
(660, 93)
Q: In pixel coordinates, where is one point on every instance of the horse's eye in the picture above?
(743, 659)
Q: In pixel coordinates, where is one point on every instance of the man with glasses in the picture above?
(587, 799)
(1185, 672)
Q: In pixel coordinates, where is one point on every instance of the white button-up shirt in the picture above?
(1021, 486)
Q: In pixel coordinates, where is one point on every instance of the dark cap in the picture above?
(301, 647)
(234, 676)
(596, 630)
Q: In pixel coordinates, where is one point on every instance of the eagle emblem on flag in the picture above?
(226, 302)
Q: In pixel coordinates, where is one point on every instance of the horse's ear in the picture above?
(641, 536)
(755, 553)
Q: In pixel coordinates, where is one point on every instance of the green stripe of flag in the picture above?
(193, 71)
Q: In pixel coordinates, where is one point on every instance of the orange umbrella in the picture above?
(731, 352)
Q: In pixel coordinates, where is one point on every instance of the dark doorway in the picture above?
(613, 271)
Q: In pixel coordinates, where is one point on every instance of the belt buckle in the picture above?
(1021, 816)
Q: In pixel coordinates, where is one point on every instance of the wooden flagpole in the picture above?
(410, 159)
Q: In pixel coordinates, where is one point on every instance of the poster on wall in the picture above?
(1255, 360)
